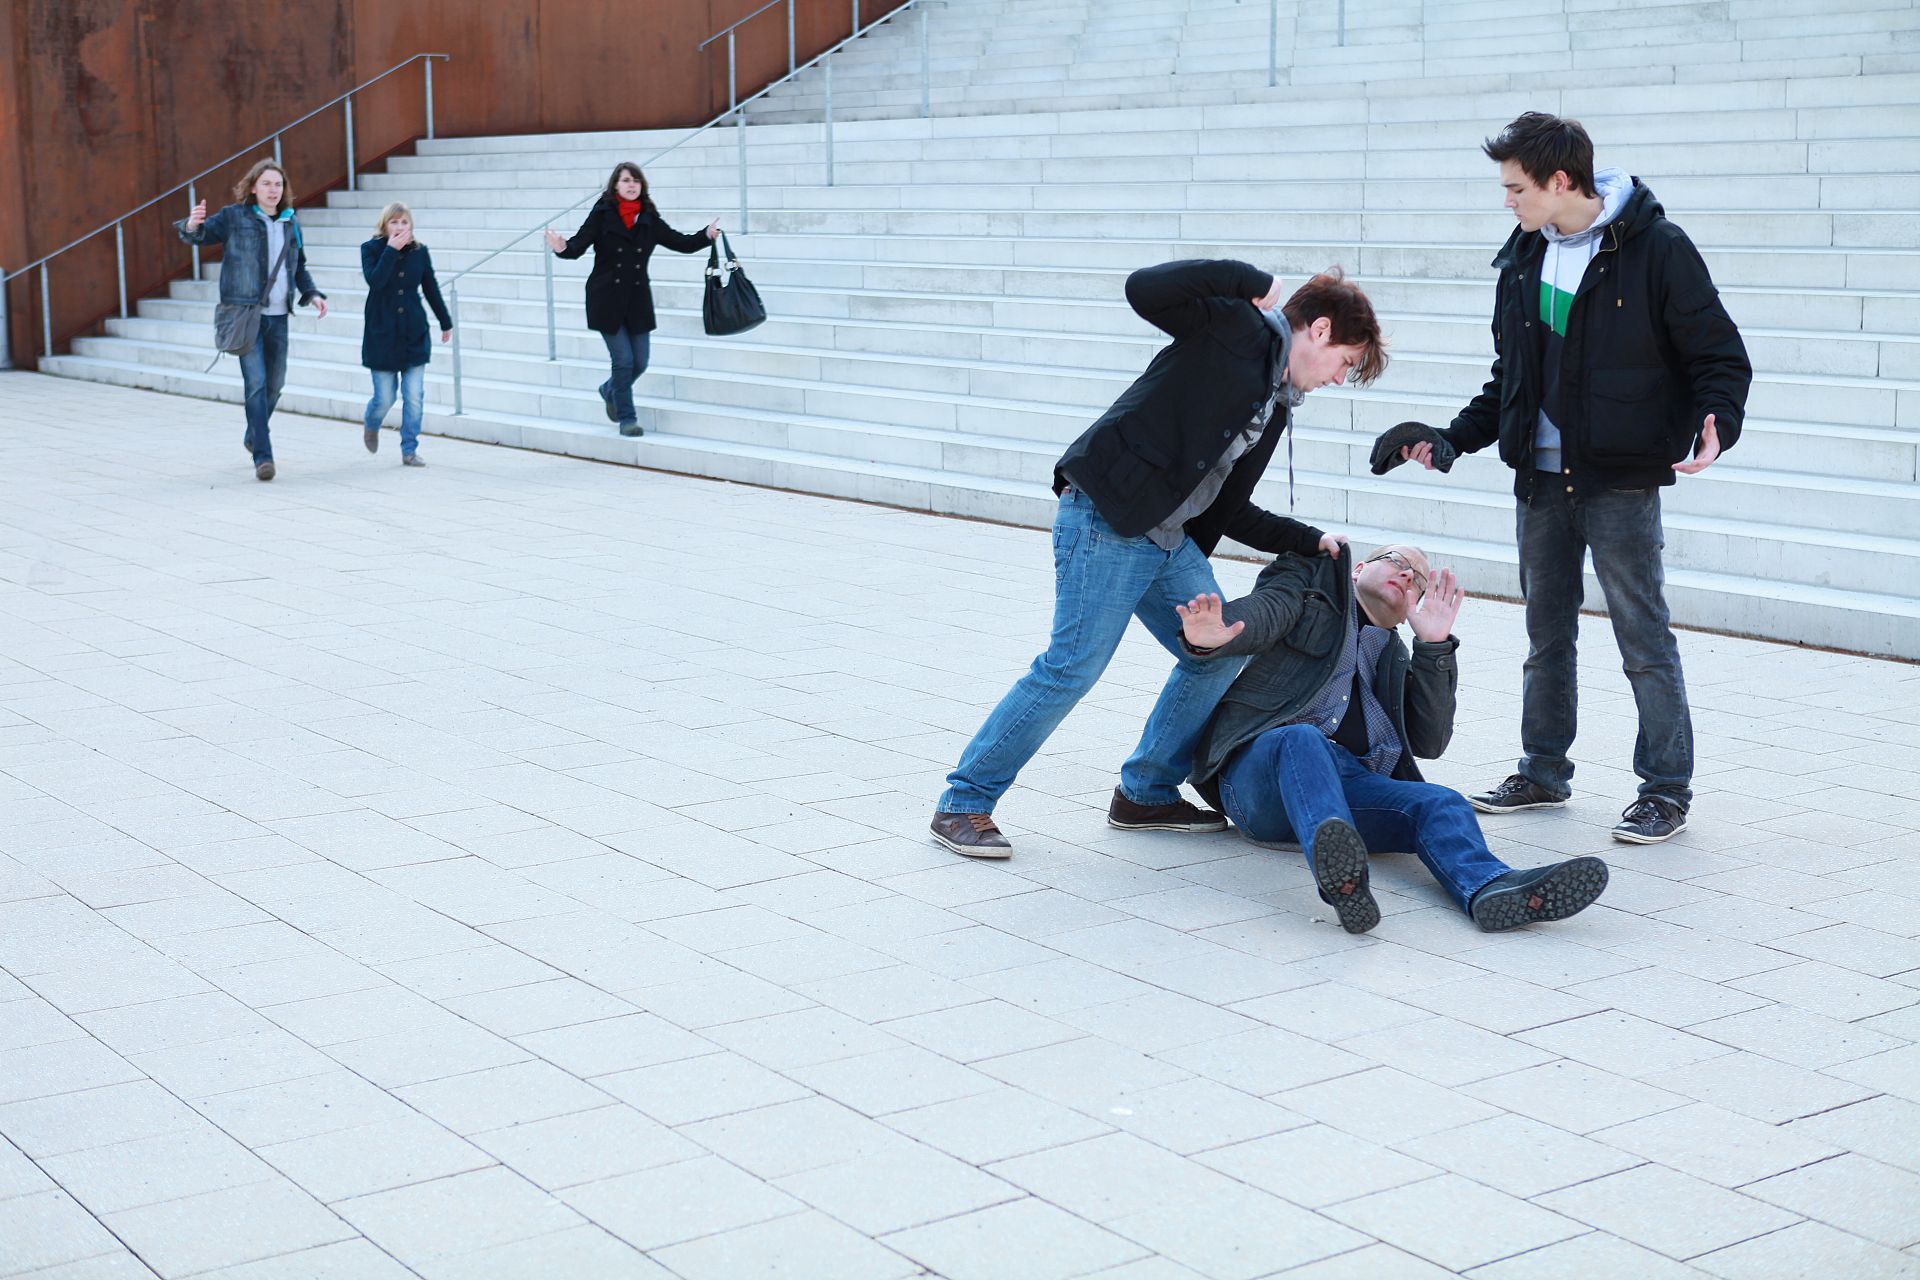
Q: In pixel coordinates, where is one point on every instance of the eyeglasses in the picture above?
(1400, 561)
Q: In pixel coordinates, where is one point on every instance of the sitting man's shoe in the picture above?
(971, 835)
(264, 470)
(1543, 893)
(1181, 815)
(1340, 873)
(1515, 794)
(1650, 820)
(411, 460)
(371, 438)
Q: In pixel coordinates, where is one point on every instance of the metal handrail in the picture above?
(737, 110)
(117, 225)
(749, 18)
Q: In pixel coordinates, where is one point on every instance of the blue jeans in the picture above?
(629, 352)
(263, 371)
(413, 400)
(1287, 781)
(1622, 528)
(1101, 580)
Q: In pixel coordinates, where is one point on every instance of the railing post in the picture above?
(6, 327)
(350, 182)
(1343, 24)
(1273, 43)
(276, 149)
(740, 134)
(46, 313)
(730, 90)
(428, 63)
(453, 310)
(120, 262)
(192, 200)
(926, 69)
(791, 58)
(856, 17)
(826, 71)
(553, 342)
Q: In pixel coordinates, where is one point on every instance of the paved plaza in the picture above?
(518, 868)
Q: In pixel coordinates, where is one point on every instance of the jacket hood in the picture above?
(1276, 320)
(1636, 210)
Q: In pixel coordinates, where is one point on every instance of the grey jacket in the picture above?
(1294, 617)
(243, 268)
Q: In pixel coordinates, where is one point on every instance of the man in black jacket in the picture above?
(1314, 742)
(1615, 369)
(1146, 493)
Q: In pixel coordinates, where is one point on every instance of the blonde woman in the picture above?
(264, 255)
(394, 345)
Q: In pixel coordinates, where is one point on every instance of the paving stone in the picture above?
(256, 1221)
(1594, 1256)
(585, 1146)
(1025, 1237)
(1668, 1212)
(1807, 1250)
(456, 1214)
(1316, 1166)
(1718, 1146)
(1859, 1195)
(1453, 1222)
(395, 1153)
(654, 1208)
(1521, 1157)
(994, 1126)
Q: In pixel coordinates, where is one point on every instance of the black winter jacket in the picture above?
(619, 295)
(1649, 353)
(1296, 617)
(1150, 451)
(394, 336)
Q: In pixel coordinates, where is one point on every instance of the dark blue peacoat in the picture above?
(395, 336)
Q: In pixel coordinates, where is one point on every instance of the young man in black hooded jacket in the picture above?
(1616, 369)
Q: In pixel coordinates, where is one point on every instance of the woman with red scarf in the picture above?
(622, 229)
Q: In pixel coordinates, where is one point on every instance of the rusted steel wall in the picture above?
(107, 103)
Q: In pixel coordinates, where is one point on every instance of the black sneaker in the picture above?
(1651, 820)
(1544, 893)
(1340, 873)
(1181, 815)
(1515, 794)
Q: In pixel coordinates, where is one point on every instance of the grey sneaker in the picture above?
(411, 460)
(264, 471)
(1651, 820)
(632, 429)
(971, 835)
(1542, 893)
(606, 398)
(1515, 794)
(371, 439)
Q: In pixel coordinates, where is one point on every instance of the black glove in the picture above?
(1386, 450)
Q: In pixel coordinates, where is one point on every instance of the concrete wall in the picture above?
(109, 102)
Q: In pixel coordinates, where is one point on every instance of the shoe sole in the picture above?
(1340, 871)
(972, 850)
(1117, 825)
(1487, 806)
(1634, 837)
(1572, 888)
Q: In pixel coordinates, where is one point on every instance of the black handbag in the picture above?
(732, 304)
(236, 325)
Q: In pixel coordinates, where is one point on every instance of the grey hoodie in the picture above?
(1563, 266)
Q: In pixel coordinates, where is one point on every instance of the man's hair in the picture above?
(1339, 299)
(1545, 145)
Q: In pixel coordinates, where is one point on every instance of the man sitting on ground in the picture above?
(1314, 741)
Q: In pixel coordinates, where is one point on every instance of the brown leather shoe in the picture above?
(1181, 815)
(971, 835)
(264, 471)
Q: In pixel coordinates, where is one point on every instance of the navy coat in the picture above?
(395, 337)
(619, 295)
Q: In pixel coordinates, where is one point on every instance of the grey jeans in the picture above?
(1622, 529)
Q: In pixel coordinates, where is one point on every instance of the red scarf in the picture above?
(629, 210)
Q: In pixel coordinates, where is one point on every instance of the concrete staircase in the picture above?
(948, 313)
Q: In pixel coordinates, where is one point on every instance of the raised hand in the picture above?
(1203, 624)
(555, 241)
(198, 216)
(401, 238)
(713, 229)
(1432, 619)
(1704, 453)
